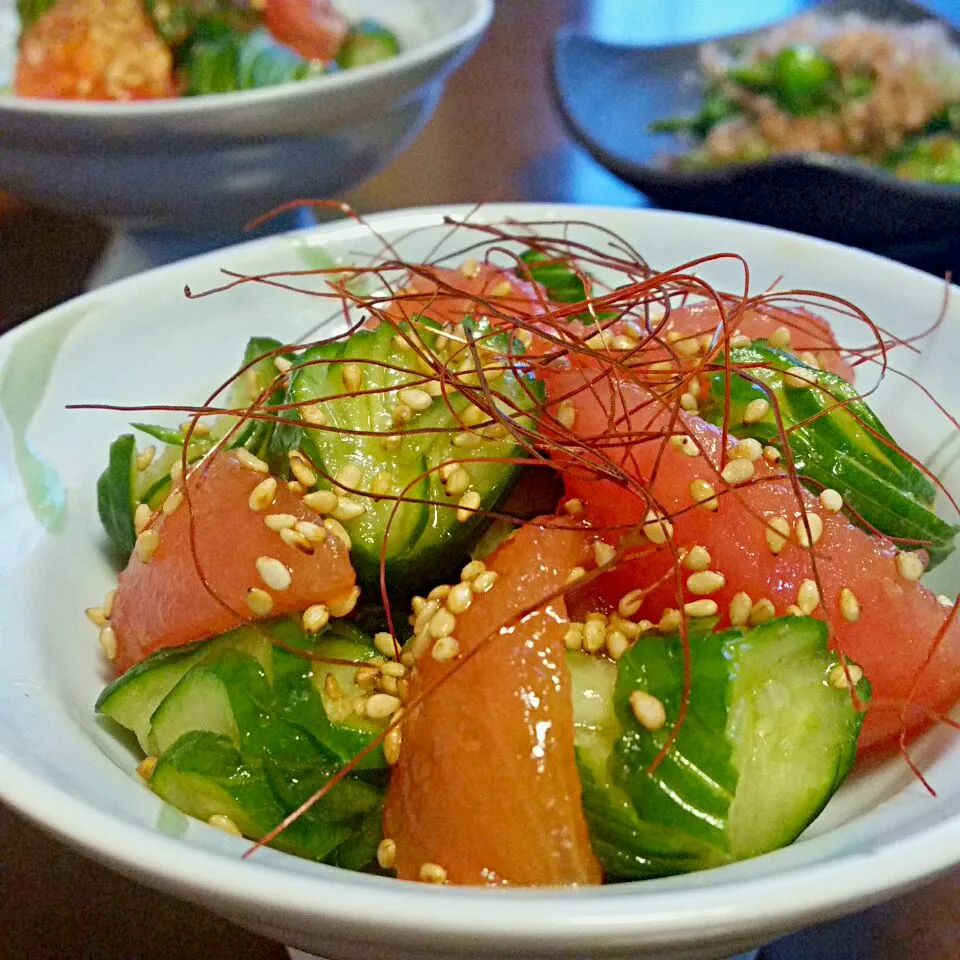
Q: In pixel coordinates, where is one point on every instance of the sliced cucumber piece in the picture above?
(367, 42)
(117, 495)
(836, 441)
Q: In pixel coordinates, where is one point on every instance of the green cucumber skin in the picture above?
(365, 43)
(116, 497)
(832, 449)
(721, 793)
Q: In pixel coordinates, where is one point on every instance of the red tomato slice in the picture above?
(163, 602)
(314, 28)
(94, 50)
(486, 785)
(897, 622)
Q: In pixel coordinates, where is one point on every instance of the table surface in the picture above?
(494, 137)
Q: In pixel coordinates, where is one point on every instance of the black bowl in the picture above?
(609, 95)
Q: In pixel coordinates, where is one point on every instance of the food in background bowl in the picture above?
(886, 93)
(530, 577)
(149, 49)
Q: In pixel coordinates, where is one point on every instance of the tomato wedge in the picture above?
(314, 28)
(486, 787)
(164, 600)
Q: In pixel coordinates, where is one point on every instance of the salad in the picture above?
(550, 569)
(885, 93)
(150, 49)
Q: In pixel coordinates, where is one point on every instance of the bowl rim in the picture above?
(346, 81)
(533, 918)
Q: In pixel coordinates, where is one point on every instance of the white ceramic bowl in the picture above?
(210, 164)
(140, 341)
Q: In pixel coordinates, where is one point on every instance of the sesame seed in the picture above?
(484, 581)
(458, 482)
(315, 618)
(630, 602)
(849, 605)
(96, 616)
(261, 496)
(809, 528)
(350, 476)
(748, 449)
(392, 442)
(469, 268)
(146, 767)
(402, 414)
(222, 822)
(810, 359)
(312, 531)
(322, 501)
(685, 445)
(909, 566)
(697, 558)
(843, 677)
(108, 602)
(366, 676)
(573, 507)
(337, 529)
(393, 669)
(622, 342)
(341, 608)
(669, 620)
(441, 623)
(445, 649)
(945, 601)
(800, 378)
(439, 592)
(740, 340)
(146, 458)
(831, 500)
(382, 705)
(468, 504)
(200, 429)
(141, 517)
(650, 712)
(704, 494)
(108, 642)
(383, 483)
(704, 582)
(687, 347)
(259, 601)
(657, 529)
(762, 611)
(313, 414)
(176, 469)
(433, 873)
(248, 460)
(603, 553)
(756, 410)
(689, 403)
(467, 441)
(736, 472)
(280, 521)
(794, 611)
(503, 289)
(282, 364)
(146, 545)
(415, 398)
(352, 374)
(617, 644)
(273, 573)
(301, 469)
(771, 455)
(780, 338)
(331, 687)
(348, 509)
(385, 645)
(573, 638)
(392, 743)
(701, 608)
(566, 414)
(296, 488)
(294, 538)
(740, 607)
(594, 635)
(387, 853)
(459, 598)
(575, 574)
(808, 597)
(777, 534)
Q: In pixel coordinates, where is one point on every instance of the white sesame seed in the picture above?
(108, 642)
(849, 605)
(259, 601)
(382, 705)
(704, 582)
(445, 648)
(704, 494)
(331, 687)
(344, 607)
(503, 289)
(312, 531)
(484, 581)
(222, 822)
(459, 598)
(780, 338)
(294, 538)
(350, 476)
(176, 469)
(657, 529)
(415, 399)
(458, 482)
(387, 850)
(273, 573)
(808, 597)
(669, 620)
(771, 455)
(594, 635)
(200, 429)
(145, 458)
(296, 488)
(262, 495)
(322, 501)
(810, 359)
(909, 566)
(945, 601)
(740, 340)
(747, 449)
(573, 638)
(630, 602)
(617, 644)
(756, 410)
(623, 342)
(603, 553)
(566, 414)
(336, 528)
(650, 712)
(740, 607)
(352, 374)
(736, 472)
(844, 677)
(392, 442)
(468, 504)
(433, 873)
(96, 616)
(439, 592)
(467, 441)
(315, 618)
(248, 460)
(146, 545)
(302, 470)
(575, 574)
(800, 378)
(830, 500)
(689, 402)
(348, 509)
(141, 517)
(108, 602)
(313, 414)
(282, 364)
(762, 611)
(806, 537)
(442, 623)
(697, 558)
(385, 645)
(701, 608)
(573, 507)
(794, 611)
(383, 483)
(366, 676)
(777, 534)
(280, 521)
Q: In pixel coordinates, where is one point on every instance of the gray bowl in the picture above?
(609, 95)
(210, 164)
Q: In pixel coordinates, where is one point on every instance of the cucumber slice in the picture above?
(367, 42)
(117, 495)
(834, 440)
(422, 540)
(766, 741)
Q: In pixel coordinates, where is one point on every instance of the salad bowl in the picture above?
(210, 164)
(881, 835)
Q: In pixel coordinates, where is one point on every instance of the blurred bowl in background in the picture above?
(210, 164)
